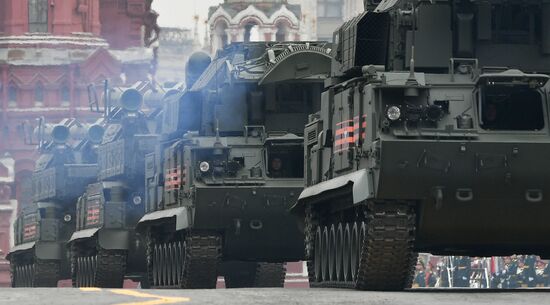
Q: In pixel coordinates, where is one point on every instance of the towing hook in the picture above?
(438, 196)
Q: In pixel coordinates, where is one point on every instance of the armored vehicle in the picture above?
(431, 138)
(64, 168)
(104, 247)
(228, 167)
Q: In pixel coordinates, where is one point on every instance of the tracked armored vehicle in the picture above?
(228, 167)
(431, 138)
(64, 168)
(104, 247)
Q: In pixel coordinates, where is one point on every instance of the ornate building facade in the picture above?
(7, 207)
(278, 20)
(50, 51)
(263, 20)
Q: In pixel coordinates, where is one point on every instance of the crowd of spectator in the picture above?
(497, 272)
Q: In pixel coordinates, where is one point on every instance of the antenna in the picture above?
(411, 81)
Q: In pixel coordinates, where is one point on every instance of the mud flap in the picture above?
(182, 217)
(20, 248)
(83, 234)
(42, 250)
(362, 188)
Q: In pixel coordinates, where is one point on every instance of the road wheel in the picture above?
(324, 254)
(354, 259)
(332, 253)
(179, 261)
(339, 252)
(346, 254)
(318, 255)
(155, 266)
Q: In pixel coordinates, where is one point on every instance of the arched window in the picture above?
(65, 95)
(38, 16)
(251, 32)
(5, 132)
(12, 96)
(39, 94)
(282, 32)
(221, 34)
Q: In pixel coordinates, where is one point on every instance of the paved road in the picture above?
(94, 296)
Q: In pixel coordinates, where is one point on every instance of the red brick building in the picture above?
(50, 51)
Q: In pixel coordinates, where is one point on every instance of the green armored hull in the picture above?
(443, 158)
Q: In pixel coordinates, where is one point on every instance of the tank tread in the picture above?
(311, 223)
(35, 272)
(387, 252)
(186, 262)
(149, 242)
(387, 259)
(270, 275)
(203, 253)
(110, 268)
(256, 274)
(105, 268)
(46, 273)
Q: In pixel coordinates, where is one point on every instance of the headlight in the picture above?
(204, 166)
(67, 218)
(393, 113)
(137, 200)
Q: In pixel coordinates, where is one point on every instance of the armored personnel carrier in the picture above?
(64, 168)
(430, 138)
(229, 165)
(104, 246)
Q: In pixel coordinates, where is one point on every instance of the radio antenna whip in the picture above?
(411, 81)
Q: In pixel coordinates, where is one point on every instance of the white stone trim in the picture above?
(13, 204)
(252, 11)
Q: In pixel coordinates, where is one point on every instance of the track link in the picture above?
(34, 272)
(385, 256)
(189, 262)
(203, 253)
(311, 224)
(270, 275)
(102, 268)
(255, 274)
(110, 268)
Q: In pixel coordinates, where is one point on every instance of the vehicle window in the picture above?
(511, 108)
(285, 160)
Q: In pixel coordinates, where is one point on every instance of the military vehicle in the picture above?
(64, 168)
(229, 165)
(104, 247)
(430, 138)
